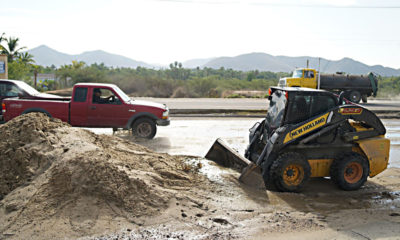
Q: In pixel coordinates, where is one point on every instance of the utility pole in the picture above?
(319, 72)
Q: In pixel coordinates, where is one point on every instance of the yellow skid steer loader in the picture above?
(309, 133)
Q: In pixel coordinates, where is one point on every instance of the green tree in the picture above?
(26, 58)
(19, 71)
(250, 76)
(1, 40)
(78, 65)
(11, 48)
(202, 86)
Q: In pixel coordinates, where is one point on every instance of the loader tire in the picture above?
(267, 177)
(290, 172)
(349, 171)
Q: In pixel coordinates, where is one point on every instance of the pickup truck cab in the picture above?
(16, 88)
(96, 105)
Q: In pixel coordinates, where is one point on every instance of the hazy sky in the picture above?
(162, 31)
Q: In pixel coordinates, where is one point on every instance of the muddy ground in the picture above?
(62, 182)
(229, 210)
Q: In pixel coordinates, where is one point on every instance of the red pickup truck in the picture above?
(16, 88)
(98, 106)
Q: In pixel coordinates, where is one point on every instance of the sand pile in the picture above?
(52, 172)
(23, 147)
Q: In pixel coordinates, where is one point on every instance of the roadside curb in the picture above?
(260, 113)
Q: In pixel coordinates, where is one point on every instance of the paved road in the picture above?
(251, 103)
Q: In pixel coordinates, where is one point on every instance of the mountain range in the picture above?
(47, 56)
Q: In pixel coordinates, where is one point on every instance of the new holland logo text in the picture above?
(305, 128)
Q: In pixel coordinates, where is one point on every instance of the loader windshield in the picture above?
(276, 109)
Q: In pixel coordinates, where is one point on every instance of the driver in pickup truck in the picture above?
(10, 92)
(97, 97)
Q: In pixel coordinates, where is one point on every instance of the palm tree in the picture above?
(11, 49)
(1, 39)
(25, 57)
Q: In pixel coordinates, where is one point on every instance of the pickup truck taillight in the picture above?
(3, 107)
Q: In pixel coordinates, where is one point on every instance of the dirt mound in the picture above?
(23, 146)
(50, 170)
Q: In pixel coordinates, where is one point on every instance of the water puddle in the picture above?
(210, 169)
(195, 136)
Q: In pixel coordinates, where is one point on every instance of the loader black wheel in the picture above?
(267, 177)
(290, 172)
(144, 128)
(364, 98)
(355, 96)
(349, 171)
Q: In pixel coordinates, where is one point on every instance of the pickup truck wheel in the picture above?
(144, 128)
(355, 96)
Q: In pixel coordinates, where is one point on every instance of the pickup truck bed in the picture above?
(16, 88)
(54, 108)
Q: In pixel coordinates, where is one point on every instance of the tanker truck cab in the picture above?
(302, 77)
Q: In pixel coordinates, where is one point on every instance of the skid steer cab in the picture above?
(314, 133)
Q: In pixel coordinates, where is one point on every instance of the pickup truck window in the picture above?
(80, 94)
(8, 90)
(30, 90)
(104, 96)
(124, 97)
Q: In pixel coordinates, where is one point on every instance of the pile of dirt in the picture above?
(51, 171)
(23, 147)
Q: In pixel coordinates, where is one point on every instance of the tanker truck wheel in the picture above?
(364, 98)
(355, 96)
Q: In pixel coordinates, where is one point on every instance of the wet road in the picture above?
(194, 136)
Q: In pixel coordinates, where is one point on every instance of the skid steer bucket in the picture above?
(227, 157)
